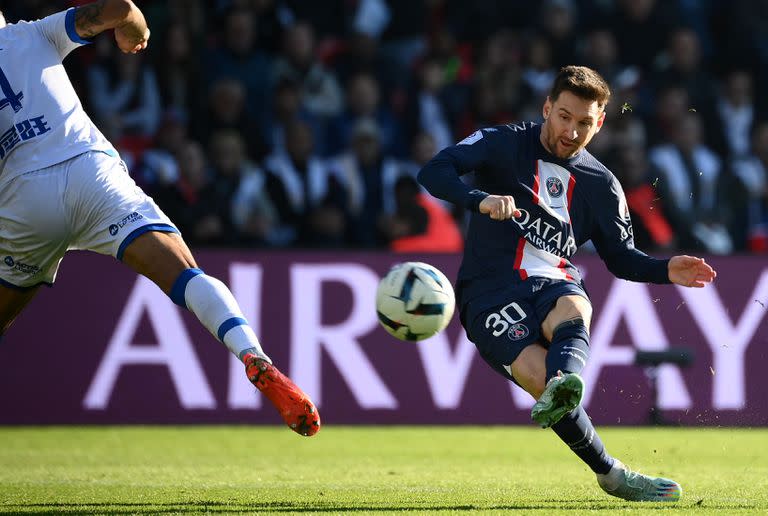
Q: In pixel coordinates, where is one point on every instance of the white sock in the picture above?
(613, 478)
(216, 308)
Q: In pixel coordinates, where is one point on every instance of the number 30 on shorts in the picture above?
(501, 320)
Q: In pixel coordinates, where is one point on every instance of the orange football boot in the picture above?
(295, 407)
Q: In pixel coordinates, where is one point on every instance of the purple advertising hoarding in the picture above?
(107, 346)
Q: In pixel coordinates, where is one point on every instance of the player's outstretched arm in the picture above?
(131, 32)
(690, 271)
(499, 207)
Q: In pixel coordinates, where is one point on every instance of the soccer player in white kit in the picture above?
(63, 186)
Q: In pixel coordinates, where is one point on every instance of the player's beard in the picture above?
(558, 148)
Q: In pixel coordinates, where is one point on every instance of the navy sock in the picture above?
(569, 349)
(576, 430)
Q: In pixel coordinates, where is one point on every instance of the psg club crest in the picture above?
(555, 186)
(518, 331)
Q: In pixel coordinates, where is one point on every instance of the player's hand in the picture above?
(499, 207)
(690, 271)
(129, 40)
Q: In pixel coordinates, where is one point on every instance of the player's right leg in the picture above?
(165, 259)
(115, 217)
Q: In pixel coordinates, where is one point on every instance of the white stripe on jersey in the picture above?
(532, 261)
(552, 190)
(555, 189)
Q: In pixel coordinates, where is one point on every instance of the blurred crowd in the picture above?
(293, 123)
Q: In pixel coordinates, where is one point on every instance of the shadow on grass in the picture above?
(222, 507)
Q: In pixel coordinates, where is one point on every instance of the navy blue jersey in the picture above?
(564, 203)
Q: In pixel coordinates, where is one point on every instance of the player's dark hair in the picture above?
(583, 82)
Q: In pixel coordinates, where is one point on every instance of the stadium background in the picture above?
(281, 136)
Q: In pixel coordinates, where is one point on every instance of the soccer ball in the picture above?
(414, 301)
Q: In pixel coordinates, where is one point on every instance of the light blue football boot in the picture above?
(562, 394)
(624, 483)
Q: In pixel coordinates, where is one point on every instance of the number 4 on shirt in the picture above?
(10, 98)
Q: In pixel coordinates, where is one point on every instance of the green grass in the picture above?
(366, 470)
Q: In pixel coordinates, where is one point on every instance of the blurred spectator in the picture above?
(652, 229)
(539, 69)
(473, 21)
(423, 149)
(192, 200)
(427, 108)
(364, 101)
(320, 91)
(272, 16)
(164, 14)
(688, 186)
(641, 27)
(178, 73)
(362, 53)
(750, 197)
(419, 223)
(227, 110)
(557, 19)
(600, 52)
(286, 109)
(500, 63)
(404, 38)
(670, 105)
(329, 18)
(230, 170)
(486, 108)
(369, 176)
(735, 115)
(681, 65)
(310, 201)
(124, 94)
(157, 164)
(236, 57)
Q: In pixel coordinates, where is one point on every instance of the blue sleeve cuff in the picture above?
(69, 23)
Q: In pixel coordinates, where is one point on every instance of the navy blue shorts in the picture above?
(502, 331)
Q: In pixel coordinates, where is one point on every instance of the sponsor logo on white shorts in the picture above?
(22, 267)
(128, 219)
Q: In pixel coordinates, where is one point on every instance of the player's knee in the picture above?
(531, 379)
(572, 307)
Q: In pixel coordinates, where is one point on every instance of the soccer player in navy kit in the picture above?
(539, 194)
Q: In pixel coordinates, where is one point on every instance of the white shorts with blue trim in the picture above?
(88, 202)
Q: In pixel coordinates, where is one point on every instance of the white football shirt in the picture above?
(42, 121)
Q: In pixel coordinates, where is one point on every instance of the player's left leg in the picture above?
(165, 258)
(567, 328)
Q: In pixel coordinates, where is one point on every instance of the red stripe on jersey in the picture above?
(536, 198)
(571, 188)
(561, 265)
(519, 258)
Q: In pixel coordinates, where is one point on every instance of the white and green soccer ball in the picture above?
(414, 301)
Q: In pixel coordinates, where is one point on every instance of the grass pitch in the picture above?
(366, 470)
